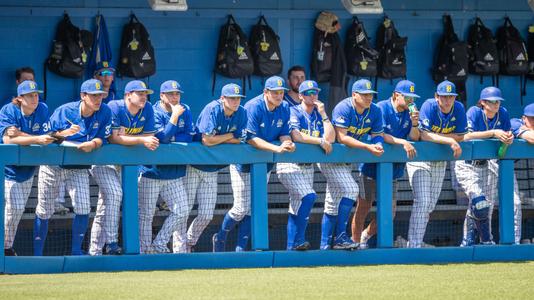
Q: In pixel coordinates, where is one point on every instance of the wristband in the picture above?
(326, 119)
(96, 144)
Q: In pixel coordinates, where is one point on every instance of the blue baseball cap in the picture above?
(104, 66)
(491, 93)
(406, 88)
(170, 86)
(275, 83)
(137, 86)
(446, 88)
(529, 110)
(308, 85)
(27, 87)
(232, 90)
(363, 86)
(92, 86)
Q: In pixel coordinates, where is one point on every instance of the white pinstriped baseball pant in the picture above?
(339, 184)
(242, 193)
(298, 179)
(16, 195)
(426, 179)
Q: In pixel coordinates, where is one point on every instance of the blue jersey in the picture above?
(397, 124)
(433, 120)
(290, 100)
(212, 121)
(477, 120)
(306, 124)
(140, 123)
(35, 124)
(109, 97)
(97, 125)
(516, 125)
(357, 125)
(167, 132)
(265, 124)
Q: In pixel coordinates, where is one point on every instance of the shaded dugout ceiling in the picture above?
(185, 42)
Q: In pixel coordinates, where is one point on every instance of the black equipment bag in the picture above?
(70, 50)
(362, 59)
(392, 59)
(530, 52)
(484, 57)
(234, 59)
(512, 50)
(452, 59)
(265, 48)
(137, 57)
(322, 56)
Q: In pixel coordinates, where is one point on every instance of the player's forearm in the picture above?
(436, 138)
(329, 132)
(212, 140)
(352, 142)
(304, 138)
(126, 140)
(528, 136)
(415, 134)
(262, 144)
(23, 140)
(394, 140)
(478, 135)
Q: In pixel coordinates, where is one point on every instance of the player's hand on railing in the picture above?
(151, 142)
(456, 149)
(376, 149)
(410, 150)
(506, 137)
(71, 131)
(327, 147)
(86, 146)
(44, 139)
(12, 131)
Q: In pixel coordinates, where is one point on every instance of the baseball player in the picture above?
(478, 178)
(105, 72)
(295, 76)
(132, 125)
(222, 121)
(86, 123)
(309, 124)
(354, 118)
(173, 124)
(24, 121)
(399, 125)
(521, 128)
(268, 121)
(442, 120)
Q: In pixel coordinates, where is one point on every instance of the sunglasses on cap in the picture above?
(105, 73)
(310, 93)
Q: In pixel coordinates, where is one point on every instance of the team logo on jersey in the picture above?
(36, 127)
(412, 88)
(294, 120)
(219, 128)
(453, 119)
(233, 129)
(97, 86)
(448, 88)
(279, 123)
(142, 119)
(406, 124)
(340, 120)
(426, 122)
(95, 125)
(498, 123)
(388, 126)
(262, 125)
(469, 124)
(367, 121)
(181, 123)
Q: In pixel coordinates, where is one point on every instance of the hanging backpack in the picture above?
(512, 50)
(70, 50)
(452, 59)
(137, 57)
(484, 57)
(392, 59)
(265, 48)
(530, 52)
(322, 50)
(234, 59)
(362, 59)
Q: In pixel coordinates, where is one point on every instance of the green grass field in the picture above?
(495, 280)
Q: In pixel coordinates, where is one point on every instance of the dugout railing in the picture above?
(130, 157)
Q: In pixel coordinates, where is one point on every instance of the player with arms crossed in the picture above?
(222, 121)
(268, 121)
(399, 125)
(309, 124)
(86, 123)
(24, 121)
(442, 120)
(354, 118)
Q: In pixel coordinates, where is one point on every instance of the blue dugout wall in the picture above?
(196, 153)
(185, 42)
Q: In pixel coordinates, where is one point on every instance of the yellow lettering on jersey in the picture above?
(137, 130)
(437, 129)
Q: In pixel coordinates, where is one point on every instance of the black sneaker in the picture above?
(10, 252)
(302, 246)
(113, 249)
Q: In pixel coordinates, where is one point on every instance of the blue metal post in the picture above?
(384, 196)
(506, 201)
(258, 185)
(2, 216)
(130, 208)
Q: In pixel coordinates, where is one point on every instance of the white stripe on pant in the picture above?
(16, 195)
